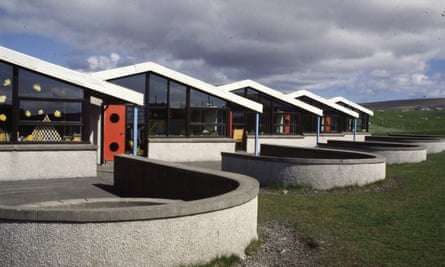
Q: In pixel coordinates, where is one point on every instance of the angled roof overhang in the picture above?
(97, 86)
(179, 77)
(271, 92)
(340, 99)
(324, 101)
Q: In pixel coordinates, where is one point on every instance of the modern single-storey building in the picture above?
(183, 118)
(281, 122)
(337, 122)
(48, 112)
(364, 113)
(50, 118)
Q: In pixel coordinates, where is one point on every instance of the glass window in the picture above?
(49, 110)
(5, 101)
(208, 114)
(178, 95)
(284, 123)
(38, 86)
(177, 109)
(134, 82)
(52, 111)
(158, 91)
(200, 99)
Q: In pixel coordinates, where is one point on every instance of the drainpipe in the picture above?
(355, 129)
(257, 128)
(318, 129)
(135, 130)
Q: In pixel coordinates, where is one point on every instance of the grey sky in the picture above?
(362, 49)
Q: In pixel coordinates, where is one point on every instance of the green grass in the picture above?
(402, 226)
(426, 122)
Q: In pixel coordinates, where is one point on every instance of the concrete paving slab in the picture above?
(30, 191)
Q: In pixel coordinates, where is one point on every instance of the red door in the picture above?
(114, 131)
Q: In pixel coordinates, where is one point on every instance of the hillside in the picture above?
(410, 104)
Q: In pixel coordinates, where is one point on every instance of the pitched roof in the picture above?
(324, 101)
(74, 77)
(179, 77)
(340, 99)
(271, 92)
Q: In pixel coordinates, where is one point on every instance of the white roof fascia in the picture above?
(71, 76)
(179, 77)
(322, 100)
(340, 99)
(271, 92)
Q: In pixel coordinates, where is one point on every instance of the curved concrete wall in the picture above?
(294, 167)
(170, 234)
(394, 153)
(433, 145)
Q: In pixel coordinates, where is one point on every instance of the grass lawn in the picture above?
(427, 122)
(402, 226)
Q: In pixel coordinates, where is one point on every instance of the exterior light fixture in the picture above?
(40, 112)
(3, 117)
(3, 98)
(27, 113)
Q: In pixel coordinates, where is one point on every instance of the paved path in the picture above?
(29, 191)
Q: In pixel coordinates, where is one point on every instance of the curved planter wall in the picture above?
(318, 168)
(394, 153)
(150, 231)
(433, 144)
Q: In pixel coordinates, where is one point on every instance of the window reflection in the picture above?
(134, 82)
(35, 85)
(49, 110)
(208, 114)
(5, 101)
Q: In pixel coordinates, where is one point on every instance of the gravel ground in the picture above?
(281, 245)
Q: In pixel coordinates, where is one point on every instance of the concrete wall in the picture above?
(27, 161)
(163, 242)
(189, 149)
(172, 234)
(306, 140)
(317, 173)
(433, 145)
(394, 153)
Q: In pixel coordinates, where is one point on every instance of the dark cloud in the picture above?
(286, 44)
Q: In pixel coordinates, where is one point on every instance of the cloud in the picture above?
(97, 63)
(369, 47)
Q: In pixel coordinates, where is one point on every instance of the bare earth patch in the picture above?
(281, 245)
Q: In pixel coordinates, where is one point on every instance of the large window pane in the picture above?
(5, 102)
(35, 85)
(200, 99)
(51, 110)
(134, 82)
(158, 91)
(50, 133)
(6, 84)
(178, 95)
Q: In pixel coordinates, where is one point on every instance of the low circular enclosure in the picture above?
(167, 215)
(394, 153)
(433, 144)
(315, 167)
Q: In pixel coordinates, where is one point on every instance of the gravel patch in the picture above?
(281, 245)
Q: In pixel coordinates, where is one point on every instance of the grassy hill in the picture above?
(416, 121)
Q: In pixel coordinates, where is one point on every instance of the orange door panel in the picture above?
(114, 131)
